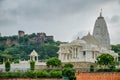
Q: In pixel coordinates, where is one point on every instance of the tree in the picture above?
(68, 65)
(116, 48)
(6, 56)
(49, 40)
(7, 66)
(32, 65)
(13, 51)
(68, 71)
(47, 51)
(54, 62)
(105, 60)
(91, 68)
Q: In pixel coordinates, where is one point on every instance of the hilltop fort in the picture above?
(39, 38)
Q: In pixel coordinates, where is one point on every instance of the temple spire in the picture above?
(100, 31)
(101, 12)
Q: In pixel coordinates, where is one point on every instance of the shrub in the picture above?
(42, 74)
(1, 62)
(54, 62)
(10, 75)
(112, 67)
(3, 75)
(55, 74)
(91, 68)
(16, 61)
(30, 74)
(68, 65)
(117, 70)
(104, 70)
(32, 65)
(7, 66)
(69, 72)
(18, 74)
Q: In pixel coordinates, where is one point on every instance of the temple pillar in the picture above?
(37, 58)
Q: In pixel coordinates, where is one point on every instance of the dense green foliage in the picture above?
(32, 65)
(55, 74)
(42, 74)
(7, 66)
(68, 65)
(116, 48)
(53, 62)
(105, 60)
(91, 68)
(32, 74)
(16, 61)
(68, 71)
(20, 48)
(6, 57)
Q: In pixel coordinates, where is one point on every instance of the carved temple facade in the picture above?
(89, 47)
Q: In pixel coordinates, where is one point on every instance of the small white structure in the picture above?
(34, 56)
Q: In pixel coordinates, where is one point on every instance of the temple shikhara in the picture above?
(84, 51)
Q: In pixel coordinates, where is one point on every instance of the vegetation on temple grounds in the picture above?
(91, 68)
(105, 60)
(106, 63)
(32, 65)
(68, 71)
(7, 66)
(53, 62)
(116, 48)
(32, 74)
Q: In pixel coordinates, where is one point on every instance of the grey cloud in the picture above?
(57, 7)
(28, 10)
(50, 8)
(51, 16)
(6, 22)
(119, 1)
(115, 19)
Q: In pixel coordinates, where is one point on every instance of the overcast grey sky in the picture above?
(64, 19)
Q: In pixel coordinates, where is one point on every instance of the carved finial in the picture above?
(101, 12)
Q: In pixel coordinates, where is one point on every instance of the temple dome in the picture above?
(78, 41)
(91, 39)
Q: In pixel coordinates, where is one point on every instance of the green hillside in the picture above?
(15, 47)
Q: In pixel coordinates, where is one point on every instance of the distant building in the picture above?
(41, 38)
(8, 42)
(49, 37)
(21, 33)
(34, 56)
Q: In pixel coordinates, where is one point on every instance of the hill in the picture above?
(19, 47)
